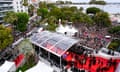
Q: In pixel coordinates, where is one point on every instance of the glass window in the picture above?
(17, 10)
(21, 6)
(21, 10)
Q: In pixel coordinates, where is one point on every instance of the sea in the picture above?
(110, 8)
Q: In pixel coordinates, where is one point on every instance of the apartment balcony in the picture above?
(6, 10)
(6, 0)
(6, 5)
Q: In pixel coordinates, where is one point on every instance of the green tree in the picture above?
(92, 10)
(43, 12)
(73, 9)
(68, 12)
(56, 12)
(42, 5)
(65, 9)
(102, 19)
(5, 37)
(114, 30)
(31, 9)
(68, 15)
(52, 20)
(81, 9)
(22, 21)
(25, 2)
(50, 5)
(80, 17)
(59, 2)
(114, 45)
(51, 27)
(87, 20)
(97, 2)
(25, 47)
(10, 17)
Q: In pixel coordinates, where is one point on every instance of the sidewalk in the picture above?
(48, 63)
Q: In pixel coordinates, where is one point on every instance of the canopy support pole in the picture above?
(48, 55)
(40, 51)
(60, 63)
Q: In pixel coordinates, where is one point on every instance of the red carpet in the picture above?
(101, 63)
(19, 60)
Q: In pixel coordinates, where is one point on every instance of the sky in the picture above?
(89, 0)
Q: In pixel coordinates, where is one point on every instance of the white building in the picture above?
(18, 6)
(5, 6)
(12, 5)
(48, 1)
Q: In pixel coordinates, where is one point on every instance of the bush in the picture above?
(114, 29)
(114, 45)
(92, 10)
(29, 63)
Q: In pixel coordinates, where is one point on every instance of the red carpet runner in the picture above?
(101, 63)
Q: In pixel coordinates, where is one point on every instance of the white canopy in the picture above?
(107, 36)
(8, 67)
(41, 67)
(68, 29)
(40, 29)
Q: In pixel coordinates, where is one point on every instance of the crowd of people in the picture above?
(93, 37)
(90, 63)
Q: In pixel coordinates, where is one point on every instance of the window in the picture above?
(21, 6)
(17, 10)
(21, 10)
(20, 2)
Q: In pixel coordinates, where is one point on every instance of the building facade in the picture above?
(5, 6)
(18, 6)
(12, 5)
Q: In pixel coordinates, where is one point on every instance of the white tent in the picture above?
(61, 29)
(107, 36)
(40, 67)
(68, 29)
(8, 67)
(40, 29)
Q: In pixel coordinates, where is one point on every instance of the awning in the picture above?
(54, 43)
